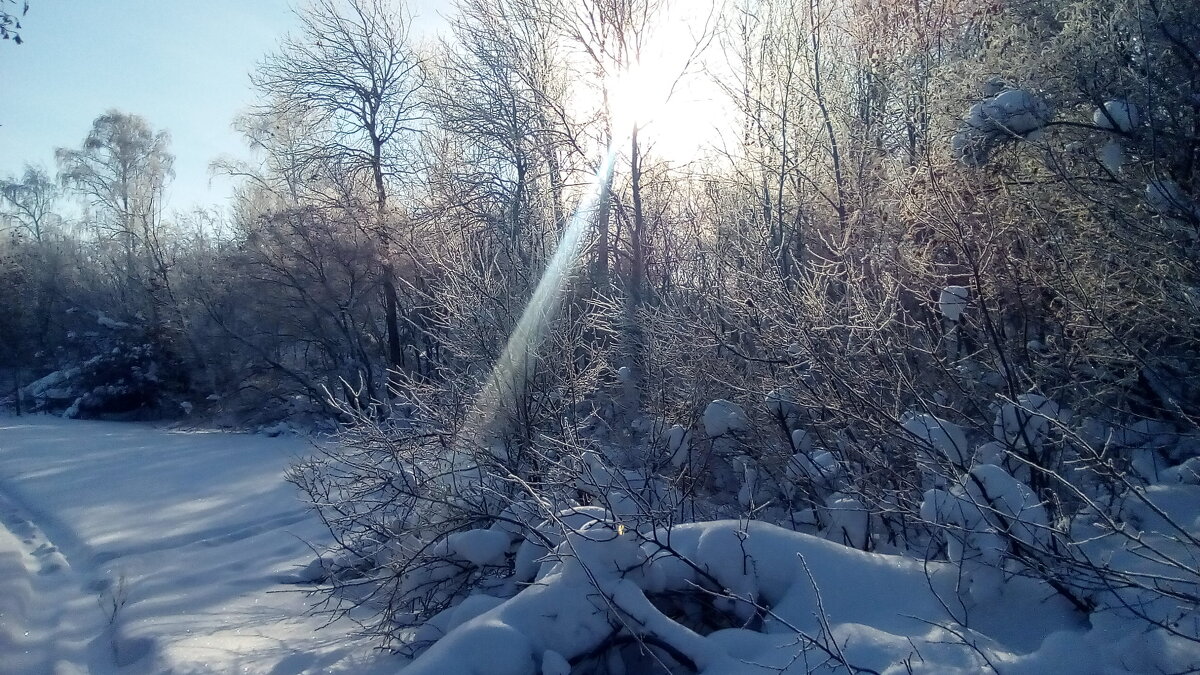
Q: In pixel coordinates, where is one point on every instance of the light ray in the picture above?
(515, 366)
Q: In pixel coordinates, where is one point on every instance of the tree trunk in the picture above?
(603, 216)
(17, 390)
(638, 236)
(395, 351)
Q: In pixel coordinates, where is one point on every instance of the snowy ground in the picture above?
(129, 548)
(126, 548)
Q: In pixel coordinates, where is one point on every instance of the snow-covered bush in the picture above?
(945, 363)
(1009, 115)
(128, 379)
(120, 372)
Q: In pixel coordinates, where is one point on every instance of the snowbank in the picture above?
(800, 601)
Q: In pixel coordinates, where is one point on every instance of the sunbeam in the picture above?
(515, 365)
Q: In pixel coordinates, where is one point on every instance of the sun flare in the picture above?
(667, 92)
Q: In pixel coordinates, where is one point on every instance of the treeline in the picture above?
(399, 204)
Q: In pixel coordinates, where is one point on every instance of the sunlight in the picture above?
(667, 93)
(676, 109)
(515, 365)
(635, 98)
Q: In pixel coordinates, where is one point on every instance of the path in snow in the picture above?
(130, 548)
(48, 623)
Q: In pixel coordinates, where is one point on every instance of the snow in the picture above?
(553, 663)
(158, 551)
(1112, 155)
(480, 547)
(1012, 507)
(1018, 111)
(820, 467)
(848, 521)
(953, 300)
(878, 609)
(782, 405)
(1117, 114)
(1025, 423)
(41, 388)
(108, 322)
(1010, 114)
(678, 441)
(126, 548)
(723, 417)
(1164, 196)
(947, 438)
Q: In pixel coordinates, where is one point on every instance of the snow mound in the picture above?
(1025, 423)
(1117, 114)
(953, 300)
(723, 417)
(608, 586)
(945, 437)
(480, 547)
(1011, 114)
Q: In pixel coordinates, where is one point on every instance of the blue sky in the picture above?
(181, 64)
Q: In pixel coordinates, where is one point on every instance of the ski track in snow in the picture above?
(39, 588)
(127, 548)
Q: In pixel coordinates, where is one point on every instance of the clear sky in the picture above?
(181, 64)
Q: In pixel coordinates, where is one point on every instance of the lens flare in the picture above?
(516, 364)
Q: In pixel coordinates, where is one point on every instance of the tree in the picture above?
(10, 21)
(31, 199)
(355, 71)
(495, 94)
(122, 169)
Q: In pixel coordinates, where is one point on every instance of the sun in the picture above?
(666, 92)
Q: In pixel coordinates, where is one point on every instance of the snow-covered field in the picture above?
(126, 548)
(133, 549)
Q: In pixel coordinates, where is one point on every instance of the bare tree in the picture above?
(351, 66)
(32, 199)
(122, 169)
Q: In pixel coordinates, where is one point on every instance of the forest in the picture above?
(617, 307)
